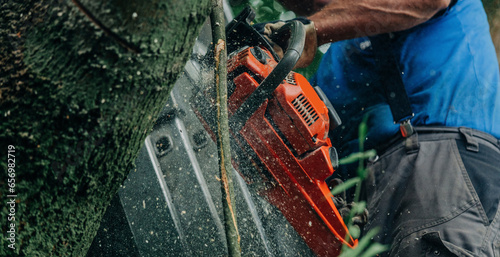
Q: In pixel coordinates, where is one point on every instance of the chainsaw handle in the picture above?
(291, 37)
(265, 90)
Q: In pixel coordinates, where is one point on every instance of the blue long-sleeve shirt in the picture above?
(448, 66)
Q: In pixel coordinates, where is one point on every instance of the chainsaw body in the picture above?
(280, 141)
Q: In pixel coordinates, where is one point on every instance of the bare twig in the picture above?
(223, 141)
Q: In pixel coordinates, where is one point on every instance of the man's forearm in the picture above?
(304, 8)
(344, 19)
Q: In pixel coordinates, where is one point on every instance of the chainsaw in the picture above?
(279, 127)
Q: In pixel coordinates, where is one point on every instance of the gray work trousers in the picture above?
(437, 193)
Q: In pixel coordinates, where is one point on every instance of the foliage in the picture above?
(493, 11)
(271, 10)
(266, 10)
(366, 247)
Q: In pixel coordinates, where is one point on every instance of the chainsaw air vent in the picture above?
(305, 109)
(290, 79)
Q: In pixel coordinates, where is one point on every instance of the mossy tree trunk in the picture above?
(80, 87)
(495, 30)
(493, 10)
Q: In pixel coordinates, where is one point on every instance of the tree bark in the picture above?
(493, 11)
(495, 30)
(80, 87)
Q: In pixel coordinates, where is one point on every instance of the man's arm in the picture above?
(304, 8)
(345, 19)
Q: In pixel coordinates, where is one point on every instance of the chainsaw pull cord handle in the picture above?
(264, 91)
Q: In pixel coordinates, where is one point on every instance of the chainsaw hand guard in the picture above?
(274, 79)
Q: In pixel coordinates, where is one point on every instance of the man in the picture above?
(435, 189)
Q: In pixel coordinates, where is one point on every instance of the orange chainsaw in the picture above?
(279, 126)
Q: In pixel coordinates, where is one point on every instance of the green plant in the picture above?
(271, 10)
(366, 247)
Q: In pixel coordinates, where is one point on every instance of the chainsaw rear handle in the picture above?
(290, 37)
(296, 41)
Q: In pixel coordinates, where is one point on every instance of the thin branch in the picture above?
(223, 140)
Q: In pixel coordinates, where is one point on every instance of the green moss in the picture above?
(77, 106)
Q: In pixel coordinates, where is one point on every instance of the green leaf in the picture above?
(354, 157)
(366, 239)
(361, 171)
(362, 131)
(358, 208)
(363, 244)
(354, 231)
(346, 185)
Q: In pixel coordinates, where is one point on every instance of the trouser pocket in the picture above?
(483, 169)
(407, 193)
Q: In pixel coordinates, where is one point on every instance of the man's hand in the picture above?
(271, 30)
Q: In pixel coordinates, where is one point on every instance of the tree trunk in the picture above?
(495, 30)
(493, 10)
(81, 86)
